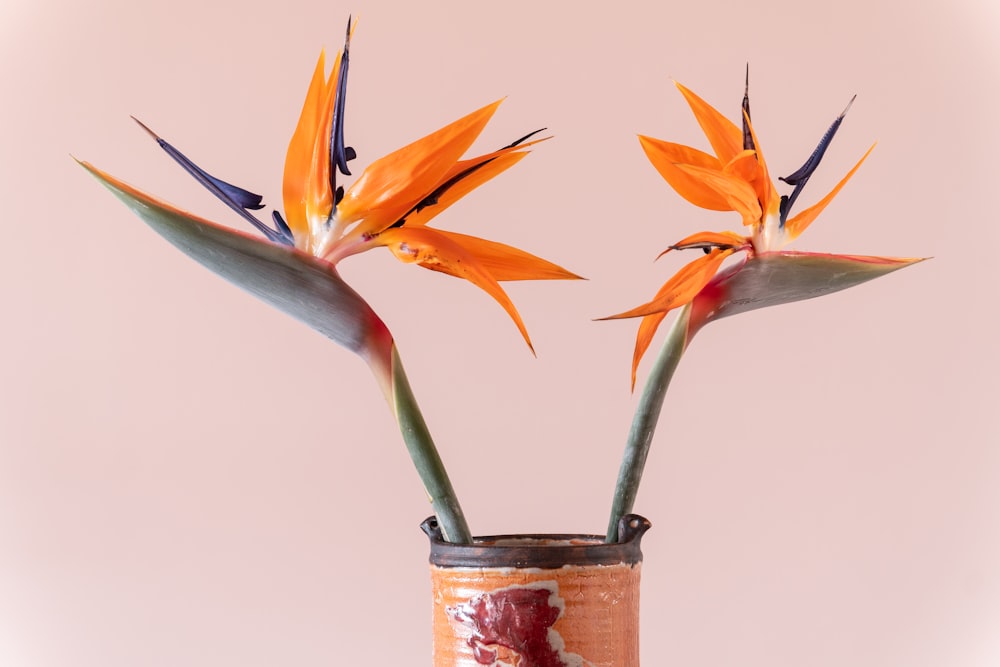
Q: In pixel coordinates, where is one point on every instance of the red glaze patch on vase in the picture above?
(513, 626)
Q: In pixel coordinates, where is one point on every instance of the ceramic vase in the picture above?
(537, 600)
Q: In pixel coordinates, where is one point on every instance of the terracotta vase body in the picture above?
(537, 600)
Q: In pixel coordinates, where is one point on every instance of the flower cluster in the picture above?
(392, 202)
(394, 199)
(736, 179)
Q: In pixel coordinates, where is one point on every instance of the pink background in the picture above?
(188, 477)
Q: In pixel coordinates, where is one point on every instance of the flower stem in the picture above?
(426, 459)
(644, 421)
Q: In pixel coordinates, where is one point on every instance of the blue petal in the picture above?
(747, 134)
(800, 177)
(281, 225)
(234, 197)
(340, 153)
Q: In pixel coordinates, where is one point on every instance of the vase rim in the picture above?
(539, 550)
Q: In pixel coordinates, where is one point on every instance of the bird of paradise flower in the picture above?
(389, 205)
(736, 179)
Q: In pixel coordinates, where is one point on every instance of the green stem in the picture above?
(647, 414)
(425, 457)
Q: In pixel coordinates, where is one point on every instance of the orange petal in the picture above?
(462, 178)
(502, 262)
(436, 250)
(682, 287)
(769, 199)
(666, 157)
(647, 329)
(725, 137)
(319, 197)
(739, 195)
(299, 158)
(394, 183)
(798, 223)
(744, 165)
(710, 239)
(480, 170)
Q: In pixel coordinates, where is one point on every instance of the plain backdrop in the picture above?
(188, 477)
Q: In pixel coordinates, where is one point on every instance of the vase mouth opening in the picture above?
(540, 541)
(539, 550)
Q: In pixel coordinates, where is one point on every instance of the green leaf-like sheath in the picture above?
(771, 279)
(312, 291)
(767, 279)
(308, 289)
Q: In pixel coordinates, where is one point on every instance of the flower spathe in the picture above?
(736, 178)
(392, 201)
(294, 267)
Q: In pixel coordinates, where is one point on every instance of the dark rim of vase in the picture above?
(541, 551)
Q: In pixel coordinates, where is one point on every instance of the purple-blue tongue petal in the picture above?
(233, 196)
(800, 176)
(340, 152)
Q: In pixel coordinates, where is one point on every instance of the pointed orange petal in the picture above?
(394, 183)
(744, 165)
(319, 197)
(462, 178)
(725, 137)
(647, 329)
(762, 184)
(502, 262)
(710, 239)
(682, 287)
(739, 195)
(798, 223)
(436, 250)
(299, 158)
(480, 170)
(666, 157)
